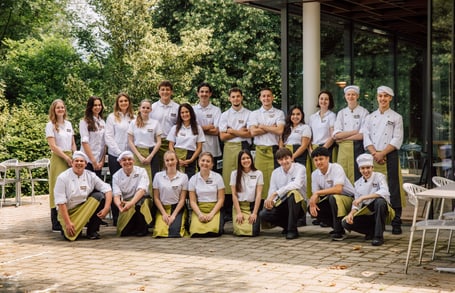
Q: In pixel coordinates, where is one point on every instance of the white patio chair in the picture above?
(424, 224)
(38, 164)
(441, 181)
(4, 180)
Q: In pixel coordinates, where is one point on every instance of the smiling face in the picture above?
(97, 107)
(245, 161)
(123, 104)
(296, 117)
(170, 161)
(384, 101)
(78, 166)
(351, 97)
(165, 93)
(127, 164)
(366, 171)
(205, 163)
(266, 98)
(145, 109)
(285, 162)
(204, 95)
(60, 109)
(322, 163)
(185, 115)
(324, 101)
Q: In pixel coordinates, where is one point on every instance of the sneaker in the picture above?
(284, 232)
(333, 232)
(93, 236)
(292, 235)
(377, 242)
(396, 230)
(324, 225)
(56, 228)
(337, 237)
(301, 222)
(315, 222)
(104, 223)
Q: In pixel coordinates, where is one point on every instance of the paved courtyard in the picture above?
(33, 259)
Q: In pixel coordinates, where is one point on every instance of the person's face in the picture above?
(185, 114)
(322, 163)
(324, 101)
(165, 93)
(245, 161)
(351, 96)
(204, 93)
(384, 100)
(127, 164)
(97, 107)
(266, 98)
(236, 99)
(145, 108)
(296, 116)
(123, 103)
(79, 165)
(205, 163)
(366, 171)
(170, 161)
(285, 163)
(60, 109)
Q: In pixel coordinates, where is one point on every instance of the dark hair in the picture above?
(288, 123)
(165, 83)
(265, 89)
(238, 179)
(193, 122)
(320, 151)
(235, 89)
(331, 102)
(91, 125)
(204, 84)
(282, 153)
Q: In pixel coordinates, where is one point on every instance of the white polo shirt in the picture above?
(206, 191)
(209, 115)
(301, 130)
(266, 117)
(170, 189)
(166, 115)
(127, 186)
(116, 134)
(249, 183)
(185, 139)
(335, 175)
(63, 137)
(95, 139)
(235, 120)
(320, 127)
(145, 137)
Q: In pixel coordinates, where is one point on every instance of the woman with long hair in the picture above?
(60, 138)
(186, 139)
(91, 129)
(144, 140)
(246, 185)
(116, 136)
(170, 188)
(206, 199)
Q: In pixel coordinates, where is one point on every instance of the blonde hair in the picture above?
(129, 111)
(139, 121)
(169, 152)
(53, 116)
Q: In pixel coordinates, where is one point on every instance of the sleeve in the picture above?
(171, 135)
(315, 182)
(100, 184)
(131, 127)
(60, 191)
(338, 127)
(332, 119)
(220, 181)
(49, 130)
(306, 131)
(281, 118)
(116, 191)
(192, 183)
(109, 136)
(338, 174)
(233, 180)
(201, 135)
(216, 120)
(185, 182)
(83, 131)
(299, 181)
(260, 180)
(397, 136)
(252, 119)
(222, 125)
(366, 133)
(144, 182)
(273, 183)
(159, 129)
(383, 190)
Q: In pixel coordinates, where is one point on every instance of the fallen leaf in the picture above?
(132, 274)
(332, 284)
(339, 267)
(357, 247)
(142, 288)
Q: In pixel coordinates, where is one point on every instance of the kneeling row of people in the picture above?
(364, 209)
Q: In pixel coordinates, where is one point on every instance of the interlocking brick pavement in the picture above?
(33, 259)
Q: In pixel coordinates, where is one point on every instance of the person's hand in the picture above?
(314, 199)
(166, 219)
(202, 218)
(252, 219)
(209, 217)
(103, 213)
(350, 218)
(357, 202)
(171, 220)
(239, 218)
(70, 229)
(268, 204)
(69, 162)
(379, 158)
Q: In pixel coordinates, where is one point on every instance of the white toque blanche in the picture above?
(385, 89)
(354, 88)
(79, 154)
(125, 154)
(365, 160)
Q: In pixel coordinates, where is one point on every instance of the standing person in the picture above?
(206, 199)
(370, 208)
(170, 188)
(82, 198)
(332, 192)
(130, 187)
(91, 129)
(165, 111)
(236, 137)
(246, 185)
(347, 134)
(144, 139)
(322, 123)
(382, 137)
(266, 126)
(208, 117)
(116, 136)
(286, 200)
(186, 139)
(297, 137)
(60, 138)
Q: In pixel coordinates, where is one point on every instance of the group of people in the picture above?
(166, 170)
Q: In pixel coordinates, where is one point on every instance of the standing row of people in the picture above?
(187, 133)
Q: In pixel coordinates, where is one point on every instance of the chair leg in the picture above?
(450, 241)
(33, 191)
(409, 251)
(435, 244)
(3, 196)
(421, 246)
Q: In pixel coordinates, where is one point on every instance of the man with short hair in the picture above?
(82, 198)
(332, 192)
(285, 202)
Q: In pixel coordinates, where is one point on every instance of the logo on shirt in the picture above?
(209, 115)
(175, 187)
(135, 175)
(83, 187)
(173, 115)
(150, 130)
(68, 130)
(209, 181)
(357, 116)
(390, 123)
(330, 182)
(241, 121)
(252, 176)
(376, 185)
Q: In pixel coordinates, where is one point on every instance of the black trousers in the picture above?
(94, 223)
(285, 215)
(374, 224)
(114, 166)
(328, 211)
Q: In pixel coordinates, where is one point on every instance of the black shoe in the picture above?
(227, 218)
(301, 222)
(377, 242)
(368, 237)
(337, 237)
(141, 234)
(103, 223)
(324, 225)
(292, 235)
(316, 222)
(93, 236)
(56, 228)
(396, 230)
(284, 232)
(333, 232)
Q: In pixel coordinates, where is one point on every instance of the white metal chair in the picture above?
(38, 164)
(4, 179)
(441, 181)
(424, 224)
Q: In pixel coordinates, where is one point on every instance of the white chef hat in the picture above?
(365, 160)
(385, 89)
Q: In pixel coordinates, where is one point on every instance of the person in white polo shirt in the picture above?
(383, 137)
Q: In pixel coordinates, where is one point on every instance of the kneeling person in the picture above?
(130, 185)
(371, 205)
(78, 205)
(286, 198)
(332, 192)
